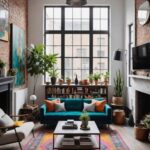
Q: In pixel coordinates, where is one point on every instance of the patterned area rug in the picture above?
(110, 140)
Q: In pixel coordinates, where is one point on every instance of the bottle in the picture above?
(76, 80)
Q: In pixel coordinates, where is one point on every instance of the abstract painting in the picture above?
(3, 24)
(18, 53)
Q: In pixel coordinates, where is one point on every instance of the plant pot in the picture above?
(117, 100)
(61, 81)
(68, 82)
(141, 133)
(84, 124)
(96, 82)
(106, 82)
(53, 80)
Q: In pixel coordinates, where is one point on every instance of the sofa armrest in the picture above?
(108, 109)
(42, 110)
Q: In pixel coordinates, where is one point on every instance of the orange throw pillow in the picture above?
(50, 105)
(100, 105)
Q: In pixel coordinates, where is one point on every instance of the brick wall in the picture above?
(18, 15)
(142, 32)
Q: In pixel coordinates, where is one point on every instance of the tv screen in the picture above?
(141, 56)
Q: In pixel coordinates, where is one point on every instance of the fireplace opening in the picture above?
(142, 105)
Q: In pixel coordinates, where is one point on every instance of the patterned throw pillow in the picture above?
(60, 107)
(89, 107)
(50, 105)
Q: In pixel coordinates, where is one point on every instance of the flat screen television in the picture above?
(141, 57)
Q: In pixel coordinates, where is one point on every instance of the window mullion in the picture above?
(91, 40)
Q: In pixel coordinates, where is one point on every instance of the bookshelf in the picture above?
(76, 91)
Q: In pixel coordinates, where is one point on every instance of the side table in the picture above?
(32, 111)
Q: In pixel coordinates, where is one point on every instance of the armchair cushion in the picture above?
(89, 107)
(6, 121)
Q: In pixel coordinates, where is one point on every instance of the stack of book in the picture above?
(70, 125)
(68, 142)
(85, 141)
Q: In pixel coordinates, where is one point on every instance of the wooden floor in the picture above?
(127, 133)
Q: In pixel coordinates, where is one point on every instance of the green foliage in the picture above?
(146, 121)
(90, 77)
(53, 72)
(2, 64)
(84, 117)
(106, 75)
(38, 62)
(119, 84)
(11, 72)
(68, 79)
(96, 76)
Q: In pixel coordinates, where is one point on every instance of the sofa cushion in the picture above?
(89, 107)
(99, 105)
(6, 121)
(60, 107)
(74, 104)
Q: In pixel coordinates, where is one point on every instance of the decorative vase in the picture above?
(53, 80)
(76, 80)
(84, 124)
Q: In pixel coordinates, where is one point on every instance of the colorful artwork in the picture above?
(18, 53)
(3, 24)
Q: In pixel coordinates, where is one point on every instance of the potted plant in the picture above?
(96, 77)
(11, 72)
(84, 118)
(61, 81)
(53, 73)
(68, 80)
(38, 63)
(118, 89)
(2, 65)
(91, 79)
(142, 130)
(106, 78)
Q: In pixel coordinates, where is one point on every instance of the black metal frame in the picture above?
(90, 32)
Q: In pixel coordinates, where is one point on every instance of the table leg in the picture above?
(99, 141)
(53, 141)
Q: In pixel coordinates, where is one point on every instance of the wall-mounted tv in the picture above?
(141, 56)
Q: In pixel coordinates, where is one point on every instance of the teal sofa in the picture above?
(74, 108)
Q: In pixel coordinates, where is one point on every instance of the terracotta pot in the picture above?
(68, 82)
(106, 82)
(141, 133)
(96, 82)
(117, 100)
(61, 81)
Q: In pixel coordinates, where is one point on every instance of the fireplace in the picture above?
(6, 86)
(142, 105)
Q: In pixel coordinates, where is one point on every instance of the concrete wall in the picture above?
(117, 31)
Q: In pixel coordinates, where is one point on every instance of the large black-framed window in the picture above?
(80, 37)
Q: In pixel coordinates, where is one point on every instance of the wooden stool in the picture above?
(119, 116)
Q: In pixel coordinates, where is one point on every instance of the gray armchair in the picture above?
(10, 133)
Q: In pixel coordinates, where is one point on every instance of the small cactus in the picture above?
(119, 84)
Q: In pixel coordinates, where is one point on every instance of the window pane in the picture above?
(68, 13)
(57, 50)
(58, 64)
(76, 13)
(68, 73)
(96, 39)
(85, 13)
(76, 39)
(57, 39)
(97, 51)
(104, 39)
(96, 25)
(96, 64)
(68, 51)
(85, 51)
(49, 49)
(68, 63)
(104, 25)
(85, 74)
(49, 24)
(78, 73)
(104, 13)
(49, 13)
(77, 51)
(85, 63)
(77, 24)
(85, 24)
(57, 24)
(49, 39)
(77, 63)
(68, 24)
(68, 39)
(57, 13)
(85, 39)
(104, 51)
(104, 63)
(96, 13)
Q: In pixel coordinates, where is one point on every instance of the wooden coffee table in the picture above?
(59, 134)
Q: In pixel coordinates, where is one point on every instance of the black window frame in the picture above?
(91, 32)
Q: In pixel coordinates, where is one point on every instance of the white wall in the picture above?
(35, 32)
(129, 19)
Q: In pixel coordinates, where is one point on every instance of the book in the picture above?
(69, 126)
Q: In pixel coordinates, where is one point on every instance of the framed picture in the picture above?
(18, 54)
(3, 24)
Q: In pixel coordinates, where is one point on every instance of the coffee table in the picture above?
(59, 134)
